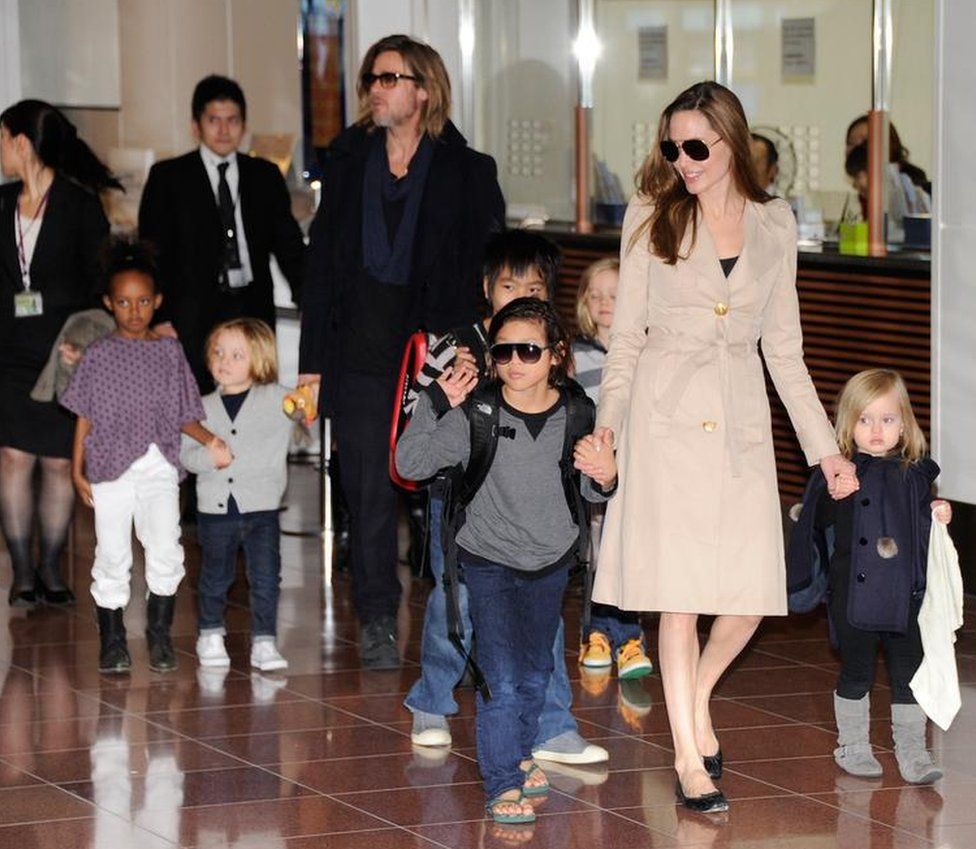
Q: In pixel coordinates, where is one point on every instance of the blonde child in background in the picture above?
(613, 634)
(238, 505)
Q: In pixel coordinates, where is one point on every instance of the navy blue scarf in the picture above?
(385, 261)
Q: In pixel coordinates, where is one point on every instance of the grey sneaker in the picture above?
(570, 748)
(377, 644)
(429, 729)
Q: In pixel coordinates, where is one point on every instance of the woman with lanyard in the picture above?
(51, 227)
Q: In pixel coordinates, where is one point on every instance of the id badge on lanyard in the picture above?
(28, 304)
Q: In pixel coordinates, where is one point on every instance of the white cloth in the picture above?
(148, 493)
(936, 682)
(237, 277)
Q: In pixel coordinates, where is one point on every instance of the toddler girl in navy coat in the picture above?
(873, 547)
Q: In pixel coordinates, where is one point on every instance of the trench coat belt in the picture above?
(698, 354)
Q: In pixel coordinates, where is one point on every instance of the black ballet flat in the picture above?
(710, 803)
(713, 765)
(58, 597)
(23, 597)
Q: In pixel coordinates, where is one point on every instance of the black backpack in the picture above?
(459, 485)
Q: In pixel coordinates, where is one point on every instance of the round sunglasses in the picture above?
(528, 352)
(694, 149)
(388, 79)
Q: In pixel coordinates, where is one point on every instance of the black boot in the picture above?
(113, 656)
(22, 591)
(51, 589)
(159, 618)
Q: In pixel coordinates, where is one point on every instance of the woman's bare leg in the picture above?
(678, 655)
(728, 637)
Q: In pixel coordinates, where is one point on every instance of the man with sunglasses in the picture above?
(396, 246)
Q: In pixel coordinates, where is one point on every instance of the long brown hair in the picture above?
(675, 208)
(423, 62)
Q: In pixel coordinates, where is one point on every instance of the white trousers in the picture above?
(148, 493)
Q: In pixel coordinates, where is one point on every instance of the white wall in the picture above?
(954, 234)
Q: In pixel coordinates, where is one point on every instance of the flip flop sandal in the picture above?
(507, 819)
(536, 789)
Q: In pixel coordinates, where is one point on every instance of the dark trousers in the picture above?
(362, 429)
(514, 617)
(220, 539)
(859, 648)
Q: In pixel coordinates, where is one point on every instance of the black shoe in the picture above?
(159, 619)
(713, 765)
(113, 656)
(710, 803)
(377, 644)
(22, 596)
(53, 592)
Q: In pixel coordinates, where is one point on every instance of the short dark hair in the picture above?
(772, 154)
(123, 253)
(857, 160)
(216, 87)
(520, 251)
(543, 312)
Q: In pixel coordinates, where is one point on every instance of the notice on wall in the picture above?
(799, 55)
(652, 52)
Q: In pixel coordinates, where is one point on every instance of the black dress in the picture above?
(64, 269)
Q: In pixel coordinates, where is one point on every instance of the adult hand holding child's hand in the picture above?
(593, 456)
(220, 453)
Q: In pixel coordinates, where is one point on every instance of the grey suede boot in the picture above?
(853, 753)
(908, 729)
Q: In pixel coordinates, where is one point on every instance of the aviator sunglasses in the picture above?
(528, 352)
(694, 148)
(388, 79)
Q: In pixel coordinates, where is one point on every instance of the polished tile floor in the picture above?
(321, 756)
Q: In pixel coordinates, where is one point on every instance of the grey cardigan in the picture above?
(258, 438)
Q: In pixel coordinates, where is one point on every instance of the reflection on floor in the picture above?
(321, 756)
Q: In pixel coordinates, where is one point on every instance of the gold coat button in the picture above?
(721, 309)
(709, 426)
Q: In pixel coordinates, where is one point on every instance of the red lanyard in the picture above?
(21, 251)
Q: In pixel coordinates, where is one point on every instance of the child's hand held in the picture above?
(942, 511)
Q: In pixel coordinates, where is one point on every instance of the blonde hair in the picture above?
(675, 208)
(422, 61)
(261, 346)
(861, 391)
(584, 320)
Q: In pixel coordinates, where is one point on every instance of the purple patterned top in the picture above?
(134, 392)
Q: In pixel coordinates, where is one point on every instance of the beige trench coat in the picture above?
(695, 524)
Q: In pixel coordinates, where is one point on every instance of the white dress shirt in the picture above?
(237, 277)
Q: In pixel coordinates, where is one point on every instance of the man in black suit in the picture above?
(215, 217)
(396, 246)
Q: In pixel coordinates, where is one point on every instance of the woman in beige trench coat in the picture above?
(695, 527)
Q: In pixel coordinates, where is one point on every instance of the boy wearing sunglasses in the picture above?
(517, 264)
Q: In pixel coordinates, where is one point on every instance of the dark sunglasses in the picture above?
(528, 352)
(695, 149)
(387, 79)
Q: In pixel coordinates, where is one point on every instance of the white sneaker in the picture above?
(211, 650)
(266, 657)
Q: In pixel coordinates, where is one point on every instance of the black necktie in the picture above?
(232, 255)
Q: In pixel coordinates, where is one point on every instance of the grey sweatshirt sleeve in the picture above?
(430, 443)
(593, 492)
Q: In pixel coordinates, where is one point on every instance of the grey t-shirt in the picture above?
(519, 517)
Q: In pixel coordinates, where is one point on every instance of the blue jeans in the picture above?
(516, 617)
(220, 538)
(617, 625)
(441, 664)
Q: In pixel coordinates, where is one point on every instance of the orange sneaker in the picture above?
(632, 662)
(595, 652)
